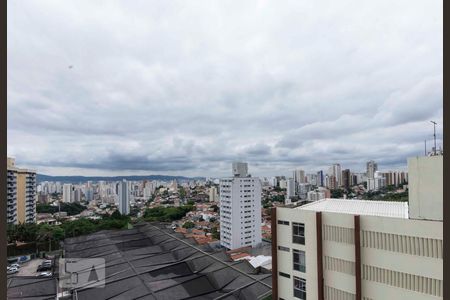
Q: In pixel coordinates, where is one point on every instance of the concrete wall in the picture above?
(426, 187)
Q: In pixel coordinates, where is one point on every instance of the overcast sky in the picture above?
(186, 87)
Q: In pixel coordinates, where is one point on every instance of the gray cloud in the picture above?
(175, 88)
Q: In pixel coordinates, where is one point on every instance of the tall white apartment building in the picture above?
(67, 193)
(213, 196)
(364, 250)
(240, 209)
(290, 191)
(124, 198)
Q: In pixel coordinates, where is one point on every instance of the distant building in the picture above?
(299, 176)
(320, 178)
(376, 183)
(213, 196)
(89, 194)
(290, 191)
(240, 209)
(312, 179)
(371, 168)
(335, 170)
(21, 194)
(67, 193)
(316, 195)
(346, 178)
(124, 198)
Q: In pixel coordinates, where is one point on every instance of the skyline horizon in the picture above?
(181, 89)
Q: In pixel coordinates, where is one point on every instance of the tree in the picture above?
(188, 225)
(45, 233)
(215, 233)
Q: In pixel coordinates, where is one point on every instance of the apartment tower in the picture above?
(240, 209)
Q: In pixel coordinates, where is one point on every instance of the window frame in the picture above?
(299, 265)
(300, 289)
(298, 238)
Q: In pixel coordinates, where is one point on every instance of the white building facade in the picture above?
(124, 198)
(357, 249)
(67, 193)
(240, 210)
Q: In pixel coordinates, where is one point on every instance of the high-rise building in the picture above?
(299, 176)
(311, 179)
(377, 182)
(240, 209)
(320, 178)
(67, 193)
(371, 168)
(346, 178)
(213, 196)
(11, 196)
(359, 249)
(124, 198)
(89, 194)
(22, 194)
(337, 173)
(290, 190)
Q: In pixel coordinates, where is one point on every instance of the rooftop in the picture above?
(360, 207)
(152, 261)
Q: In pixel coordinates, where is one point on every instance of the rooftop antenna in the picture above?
(434, 135)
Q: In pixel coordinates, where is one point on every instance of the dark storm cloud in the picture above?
(174, 88)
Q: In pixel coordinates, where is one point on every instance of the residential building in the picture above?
(320, 178)
(299, 176)
(240, 209)
(335, 170)
(124, 198)
(67, 193)
(213, 196)
(290, 190)
(315, 195)
(346, 178)
(371, 168)
(377, 182)
(22, 194)
(359, 249)
(11, 196)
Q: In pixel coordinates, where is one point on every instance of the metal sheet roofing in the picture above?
(152, 262)
(360, 207)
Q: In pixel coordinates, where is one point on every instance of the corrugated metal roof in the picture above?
(360, 207)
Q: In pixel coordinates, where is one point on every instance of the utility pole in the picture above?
(434, 135)
(425, 147)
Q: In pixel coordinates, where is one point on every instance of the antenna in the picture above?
(434, 135)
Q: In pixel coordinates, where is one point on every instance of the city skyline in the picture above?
(156, 89)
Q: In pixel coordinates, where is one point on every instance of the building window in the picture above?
(300, 288)
(281, 248)
(284, 275)
(281, 222)
(299, 260)
(298, 233)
